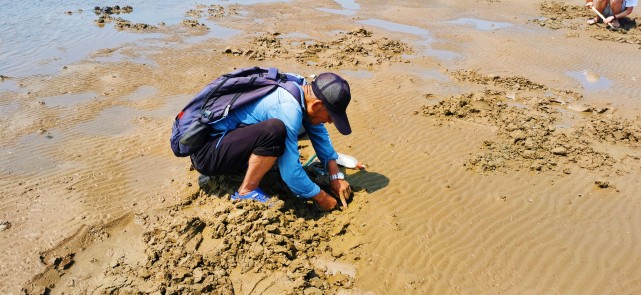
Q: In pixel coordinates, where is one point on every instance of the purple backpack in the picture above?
(228, 92)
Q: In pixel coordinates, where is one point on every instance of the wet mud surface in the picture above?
(209, 244)
(527, 118)
(144, 223)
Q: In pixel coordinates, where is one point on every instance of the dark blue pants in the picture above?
(231, 155)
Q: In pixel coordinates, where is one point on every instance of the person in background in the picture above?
(612, 10)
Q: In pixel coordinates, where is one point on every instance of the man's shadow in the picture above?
(627, 23)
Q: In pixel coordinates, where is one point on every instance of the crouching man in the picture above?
(269, 133)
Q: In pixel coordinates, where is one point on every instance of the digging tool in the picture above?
(602, 17)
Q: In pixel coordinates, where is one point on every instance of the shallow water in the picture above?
(396, 27)
(480, 24)
(40, 37)
(427, 38)
(349, 8)
(338, 11)
(349, 4)
(67, 100)
(591, 81)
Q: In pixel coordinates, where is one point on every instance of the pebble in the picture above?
(602, 183)
(5, 225)
(561, 151)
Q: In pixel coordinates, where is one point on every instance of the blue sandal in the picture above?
(256, 194)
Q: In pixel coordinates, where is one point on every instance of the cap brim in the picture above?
(341, 122)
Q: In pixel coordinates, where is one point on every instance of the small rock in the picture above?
(5, 225)
(339, 229)
(338, 279)
(511, 96)
(619, 135)
(62, 263)
(560, 151)
(316, 283)
(198, 275)
(580, 108)
(71, 283)
(114, 263)
(518, 135)
(602, 183)
(337, 253)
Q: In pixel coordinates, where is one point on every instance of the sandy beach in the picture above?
(502, 141)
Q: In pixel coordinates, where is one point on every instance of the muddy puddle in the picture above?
(426, 38)
(480, 24)
(348, 8)
(591, 81)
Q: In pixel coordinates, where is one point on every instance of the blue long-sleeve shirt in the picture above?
(280, 104)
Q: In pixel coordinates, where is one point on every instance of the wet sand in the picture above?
(503, 153)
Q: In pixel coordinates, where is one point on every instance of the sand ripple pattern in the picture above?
(443, 229)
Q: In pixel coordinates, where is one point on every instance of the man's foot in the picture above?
(325, 202)
(593, 20)
(256, 194)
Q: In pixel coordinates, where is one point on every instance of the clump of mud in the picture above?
(615, 130)
(514, 83)
(211, 11)
(357, 48)
(203, 253)
(113, 9)
(557, 15)
(5, 225)
(105, 15)
(215, 11)
(208, 244)
(528, 135)
(193, 23)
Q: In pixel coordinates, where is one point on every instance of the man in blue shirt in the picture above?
(269, 133)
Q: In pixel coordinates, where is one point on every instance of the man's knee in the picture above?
(275, 129)
(271, 142)
(601, 4)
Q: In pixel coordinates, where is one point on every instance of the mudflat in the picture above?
(502, 141)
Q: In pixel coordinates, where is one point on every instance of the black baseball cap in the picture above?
(334, 92)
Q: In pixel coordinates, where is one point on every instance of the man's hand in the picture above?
(324, 201)
(342, 188)
(608, 19)
(589, 5)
